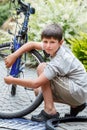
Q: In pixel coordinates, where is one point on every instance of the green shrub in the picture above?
(4, 13)
(79, 47)
(69, 14)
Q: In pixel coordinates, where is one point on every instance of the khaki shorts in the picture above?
(61, 93)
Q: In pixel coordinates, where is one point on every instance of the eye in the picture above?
(45, 41)
(52, 42)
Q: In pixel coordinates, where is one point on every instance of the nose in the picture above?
(48, 45)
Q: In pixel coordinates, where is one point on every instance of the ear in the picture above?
(61, 42)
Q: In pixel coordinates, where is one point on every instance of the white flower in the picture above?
(65, 16)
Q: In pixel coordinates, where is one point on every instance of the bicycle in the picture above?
(17, 101)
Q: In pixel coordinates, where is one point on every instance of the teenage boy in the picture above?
(63, 79)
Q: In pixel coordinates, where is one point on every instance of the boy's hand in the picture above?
(9, 60)
(8, 79)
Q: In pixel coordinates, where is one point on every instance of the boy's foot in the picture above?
(76, 110)
(43, 116)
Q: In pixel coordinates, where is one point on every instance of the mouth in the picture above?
(48, 50)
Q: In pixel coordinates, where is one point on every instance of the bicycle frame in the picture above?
(15, 70)
(25, 8)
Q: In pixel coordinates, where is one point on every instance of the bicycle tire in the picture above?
(4, 47)
(52, 124)
(8, 108)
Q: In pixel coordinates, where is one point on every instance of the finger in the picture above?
(6, 63)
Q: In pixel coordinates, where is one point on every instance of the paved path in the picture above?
(26, 124)
(68, 126)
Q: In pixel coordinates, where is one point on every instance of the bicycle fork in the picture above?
(15, 70)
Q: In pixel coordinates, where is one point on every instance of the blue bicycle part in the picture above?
(17, 101)
(15, 70)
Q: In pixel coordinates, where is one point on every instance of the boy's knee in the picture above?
(41, 67)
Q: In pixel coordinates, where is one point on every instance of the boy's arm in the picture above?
(9, 60)
(35, 83)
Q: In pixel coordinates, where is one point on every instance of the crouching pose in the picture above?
(63, 79)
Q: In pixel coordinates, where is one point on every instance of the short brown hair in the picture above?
(52, 30)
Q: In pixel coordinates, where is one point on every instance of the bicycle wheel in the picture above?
(24, 101)
(5, 49)
(53, 124)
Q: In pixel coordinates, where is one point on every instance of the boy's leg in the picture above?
(40, 69)
(47, 93)
(48, 99)
(49, 108)
(61, 93)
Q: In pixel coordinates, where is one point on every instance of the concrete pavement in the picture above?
(26, 124)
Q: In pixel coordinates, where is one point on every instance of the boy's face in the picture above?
(51, 45)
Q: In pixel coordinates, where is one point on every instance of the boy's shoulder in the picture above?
(65, 49)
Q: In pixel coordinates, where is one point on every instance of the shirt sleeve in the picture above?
(58, 66)
(49, 72)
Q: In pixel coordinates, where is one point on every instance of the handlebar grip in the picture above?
(32, 10)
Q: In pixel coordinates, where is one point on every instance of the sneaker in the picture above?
(75, 111)
(43, 116)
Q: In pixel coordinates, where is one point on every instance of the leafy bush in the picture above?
(4, 12)
(79, 47)
(69, 14)
(3, 1)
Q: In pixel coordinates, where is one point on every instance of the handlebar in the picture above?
(27, 10)
(24, 7)
(23, 4)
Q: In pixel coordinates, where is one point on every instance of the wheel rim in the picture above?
(24, 100)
